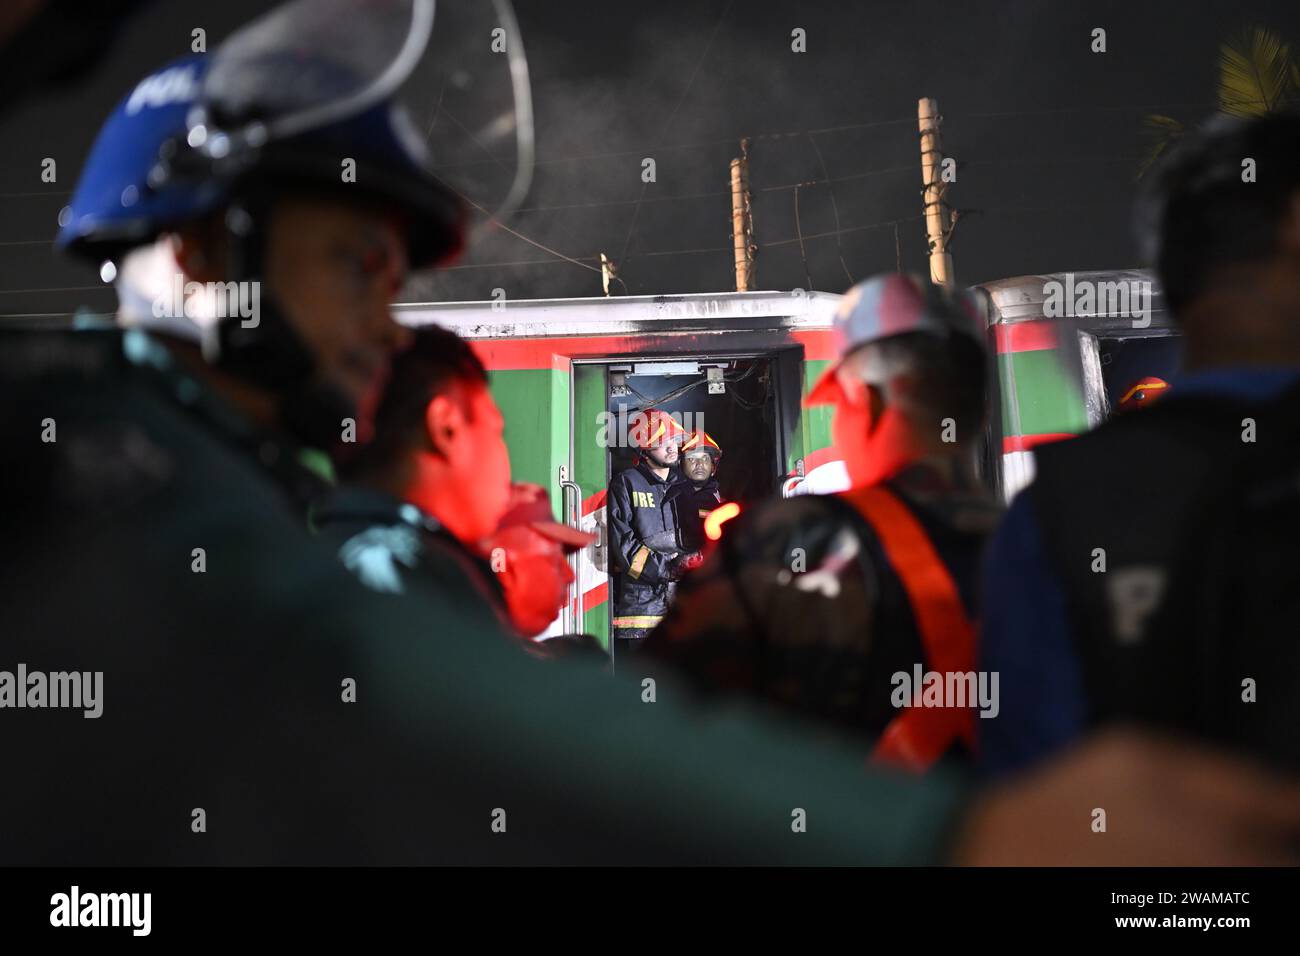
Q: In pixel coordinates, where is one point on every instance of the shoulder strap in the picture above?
(919, 736)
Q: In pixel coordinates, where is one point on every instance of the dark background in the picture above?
(1049, 137)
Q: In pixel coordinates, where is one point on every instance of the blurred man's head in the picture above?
(911, 381)
(438, 439)
(262, 269)
(700, 454)
(1220, 221)
(334, 268)
(530, 555)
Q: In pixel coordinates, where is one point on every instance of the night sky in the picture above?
(1049, 137)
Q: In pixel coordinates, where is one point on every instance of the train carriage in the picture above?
(569, 374)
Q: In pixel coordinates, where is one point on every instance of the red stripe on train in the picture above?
(516, 354)
(595, 597)
(1025, 337)
(1012, 443)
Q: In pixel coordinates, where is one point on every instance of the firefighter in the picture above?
(694, 497)
(431, 485)
(819, 602)
(1115, 596)
(530, 552)
(645, 556)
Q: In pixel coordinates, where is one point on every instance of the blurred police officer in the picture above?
(1148, 574)
(166, 487)
(421, 497)
(818, 602)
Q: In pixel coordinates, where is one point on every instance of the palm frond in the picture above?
(1162, 133)
(1256, 74)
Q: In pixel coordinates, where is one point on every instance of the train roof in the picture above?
(1014, 299)
(1021, 298)
(625, 315)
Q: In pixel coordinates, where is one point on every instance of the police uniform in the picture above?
(643, 549)
(393, 546)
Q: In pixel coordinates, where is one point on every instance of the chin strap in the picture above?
(265, 350)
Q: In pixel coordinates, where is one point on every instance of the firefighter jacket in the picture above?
(691, 504)
(643, 546)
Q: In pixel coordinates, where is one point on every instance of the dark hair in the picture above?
(1196, 215)
(437, 361)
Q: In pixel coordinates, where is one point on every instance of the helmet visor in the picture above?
(457, 66)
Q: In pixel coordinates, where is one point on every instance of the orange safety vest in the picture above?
(919, 736)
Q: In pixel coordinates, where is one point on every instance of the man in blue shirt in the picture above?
(1062, 635)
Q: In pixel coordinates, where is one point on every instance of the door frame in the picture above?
(786, 361)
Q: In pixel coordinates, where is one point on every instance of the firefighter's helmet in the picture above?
(1144, 391)
(700, 441)
(653, 427)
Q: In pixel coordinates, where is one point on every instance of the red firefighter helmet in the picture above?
(652, 427)
(700, 440)
(1142, 392)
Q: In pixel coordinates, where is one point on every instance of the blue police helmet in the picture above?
(114, 207)
(140, 178)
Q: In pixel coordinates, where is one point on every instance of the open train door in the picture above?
(749, 404)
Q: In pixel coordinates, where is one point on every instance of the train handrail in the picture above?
(572, 617)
